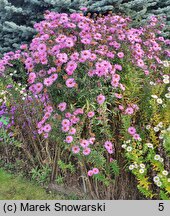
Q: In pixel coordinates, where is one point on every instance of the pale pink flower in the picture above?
(131, 130)
(90, 173)
(65, 122)
(84, 143)
(100, 99)
(47, 128)
(92, 140)
(90, 114)
(70, 83)
(95, 171)
(75, 149)
(120, 54)
(129, 111)
(65, 128)
(136, 136)
(69, 139)
(72, 131)
(62, 106)
(86, 151)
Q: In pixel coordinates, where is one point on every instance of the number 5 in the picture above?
(161, 207)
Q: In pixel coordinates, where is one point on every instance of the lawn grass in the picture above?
(16, 188)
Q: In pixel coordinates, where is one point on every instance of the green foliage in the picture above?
(41, 175)
(64, 167)
(16, 188)
(115, 168)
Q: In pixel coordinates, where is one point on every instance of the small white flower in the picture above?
(152, 83)
(148, 127)
(168, 129)
(163, 105)
(142, 165)
(141, 171)
(157, 157)
(159, 184)
(1, 100)
(161, 160)
(19, 84)
(21, 92)
(129, 149)
(160, 125)
(156, 129)
(166, 81)
(161, 136)
(124, 146)
(131, 167)
(15, 72)
(154, 96)
(159, 101)
(23, 98)
(165, 76)
(165, 172)
(165, 63)
(168, 88)
(128, 141)
(150, 145)
(11, 74)
(167, 95)
(156, 179)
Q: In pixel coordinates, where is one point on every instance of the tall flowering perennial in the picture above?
(93, 78)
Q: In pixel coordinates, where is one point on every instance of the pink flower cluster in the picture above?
(42, 127)
(92, 172)
(109, 147)
(132, 132)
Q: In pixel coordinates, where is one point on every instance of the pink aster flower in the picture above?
(118, 95)
(90, 173)
(65, 128)
(62, 106)
(129, 111)
(53, 77)
(95, 171)
(131, 130)
(86, 151)
(48, 81)
(65, 122)
(121, 107)
(38, 87)
(83, 8)
(100, 99)
(120, 54)
(75, 149)
(108, 144)
(69, 42)
(68, 115)
(47, 128)
(49, 109)
(62, 57)
(84, 143)
(70, 83)
(46, 135)
(72, 131)
(91, 140)
(69, 139)
(136, 136)
(118, 67)
(90, 114)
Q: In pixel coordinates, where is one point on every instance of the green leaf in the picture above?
(115, 168)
